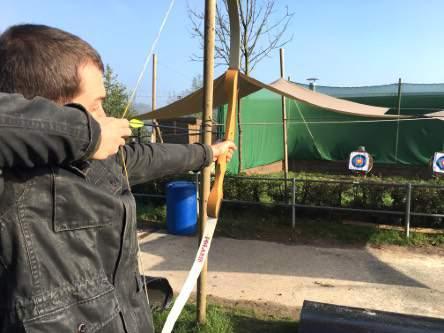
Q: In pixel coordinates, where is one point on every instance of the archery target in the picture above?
(359, 161)
(438, 163)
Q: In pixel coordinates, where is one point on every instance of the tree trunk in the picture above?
(239, 130)
(239, 126)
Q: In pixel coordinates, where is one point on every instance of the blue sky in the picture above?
(342, 42)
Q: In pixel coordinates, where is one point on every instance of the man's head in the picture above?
(36, 60)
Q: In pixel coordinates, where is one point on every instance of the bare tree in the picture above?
(260, 32)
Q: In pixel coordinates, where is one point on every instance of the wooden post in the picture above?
(239, 137)
(284, 119)
(397, 123)
(153, 97)
(210, 18)
(156, 136)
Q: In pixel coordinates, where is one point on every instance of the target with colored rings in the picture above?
(440, 163)
(360, 161)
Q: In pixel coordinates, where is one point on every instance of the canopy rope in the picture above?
(147, 60)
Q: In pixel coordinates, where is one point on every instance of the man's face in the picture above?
(92, 90)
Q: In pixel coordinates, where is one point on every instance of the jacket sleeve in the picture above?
(38, 132)
(145, 162)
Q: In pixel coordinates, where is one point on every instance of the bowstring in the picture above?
(147, 60)
(127, 107)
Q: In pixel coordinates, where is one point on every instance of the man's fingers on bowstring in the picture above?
(114, 149)
(124, 123)
(113, 132)
(125, 132)
(120, 127)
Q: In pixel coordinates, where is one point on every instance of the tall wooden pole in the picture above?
(210, 15)
(153, 97)
(284, 117)
(156, 135)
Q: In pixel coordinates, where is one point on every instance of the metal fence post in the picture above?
(407, 210)
(139, 135)
(293, 203)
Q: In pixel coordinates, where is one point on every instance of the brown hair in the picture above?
(37, 60)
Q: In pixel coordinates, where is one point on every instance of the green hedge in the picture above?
(314, 189)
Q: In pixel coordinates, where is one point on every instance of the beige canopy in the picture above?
(437, 114)
(193, 103)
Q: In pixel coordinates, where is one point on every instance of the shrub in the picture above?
(322, 190)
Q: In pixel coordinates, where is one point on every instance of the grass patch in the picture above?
(225, 320)
(369, 178)
(394, 237)
(266, 225)
(151, 214)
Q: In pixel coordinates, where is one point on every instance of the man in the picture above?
(68, 239)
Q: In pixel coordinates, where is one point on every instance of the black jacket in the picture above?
(38, 132)
(68, 242)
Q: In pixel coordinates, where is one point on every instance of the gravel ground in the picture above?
(272, 276)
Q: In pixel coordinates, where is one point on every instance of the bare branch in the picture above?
(260, 32)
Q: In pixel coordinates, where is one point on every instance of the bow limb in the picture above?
(216, 194)
(231, 90)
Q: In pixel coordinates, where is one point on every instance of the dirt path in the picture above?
(276, 276)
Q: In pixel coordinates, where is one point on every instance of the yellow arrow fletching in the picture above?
(136, 123)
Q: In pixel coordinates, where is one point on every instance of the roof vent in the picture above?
(312, 83)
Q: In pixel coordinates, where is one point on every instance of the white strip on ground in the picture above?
(194, 273)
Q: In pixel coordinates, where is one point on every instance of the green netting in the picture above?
(262, 143)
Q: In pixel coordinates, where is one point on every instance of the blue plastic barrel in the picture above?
(181, 208)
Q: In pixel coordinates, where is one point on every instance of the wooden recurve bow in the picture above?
(231, 89)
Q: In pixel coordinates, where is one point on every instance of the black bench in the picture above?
(329, 318)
